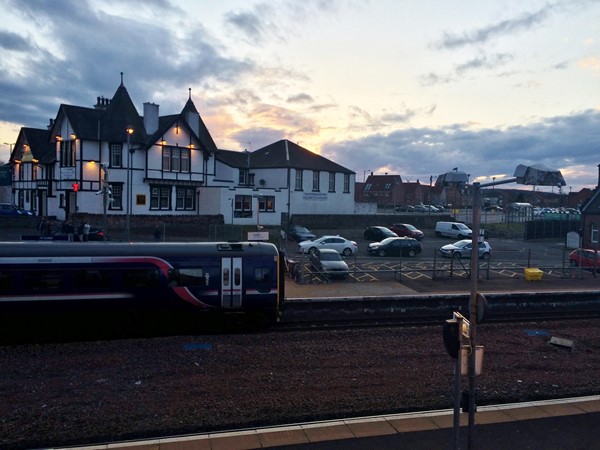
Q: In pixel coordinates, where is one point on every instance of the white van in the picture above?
(454, 230)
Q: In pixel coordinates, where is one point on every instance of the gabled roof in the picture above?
(239, 160)
(284, 154)
(592, 206)
(383, 182)
(86, 122)
(119, 115)
(39, 144)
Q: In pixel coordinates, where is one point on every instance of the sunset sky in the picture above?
(408, 87)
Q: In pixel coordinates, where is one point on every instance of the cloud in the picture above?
(80, 51)
(421, 152)
(13, 41)
(300, 98)
(482, 35)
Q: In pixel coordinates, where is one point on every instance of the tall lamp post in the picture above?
(129, 131)
(529, 175)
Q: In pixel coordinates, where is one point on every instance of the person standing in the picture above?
(80, 231)
(86, 232)
(42, 227)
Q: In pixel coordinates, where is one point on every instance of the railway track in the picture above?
(413, 310)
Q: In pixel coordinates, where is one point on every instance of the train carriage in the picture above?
(227, 277)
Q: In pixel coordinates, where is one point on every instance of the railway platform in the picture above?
(549, 425)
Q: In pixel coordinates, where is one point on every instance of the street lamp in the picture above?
(129, 131)
(529, 175)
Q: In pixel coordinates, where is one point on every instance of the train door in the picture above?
(231, 282)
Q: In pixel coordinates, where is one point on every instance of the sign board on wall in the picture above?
(573, 240)
(258, 235)
(315, 196)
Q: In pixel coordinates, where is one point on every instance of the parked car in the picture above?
(395, 246)
(426, 208)
(462, 249)
(408, 230)
(329, 262)
(454, 230)
(8, 209)
(337, 243)
(300, 233)
(405, 208)
(585, 258)
(493, 208)
(378, 233)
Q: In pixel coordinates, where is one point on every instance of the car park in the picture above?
(462, 249)
(329, 262)
(395, 246)
(585, 258)
(337, 243)
(299, 233)
(408, 230)
(378, 233)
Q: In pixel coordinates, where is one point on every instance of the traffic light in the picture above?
(451, 335)
(75, 187)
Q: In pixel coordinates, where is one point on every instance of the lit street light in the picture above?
(537, 175)
(129, 131)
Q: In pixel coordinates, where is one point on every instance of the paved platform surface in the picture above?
(566, 424)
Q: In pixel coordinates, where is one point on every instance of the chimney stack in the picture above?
(150, 117)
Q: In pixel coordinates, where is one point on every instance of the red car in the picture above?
(408, 230)
(585, 258)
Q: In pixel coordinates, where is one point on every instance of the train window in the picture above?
(43, 281)
(225, 277)
(191, 277)
(92, 278)
(140, 278)
(262, 274)
(238, 276)
(6, 281)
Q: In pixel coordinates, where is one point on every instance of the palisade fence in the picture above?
(439, 268)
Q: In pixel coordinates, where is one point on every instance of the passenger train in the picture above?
(241, 277)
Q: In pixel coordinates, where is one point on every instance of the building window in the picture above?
(116, 155)
(117, 196)
(67, 153)
(594, 236)
(298, 180)
(331, 181)
(266, 203)
(243, 206)
(160, 197)
(316, 177)
(175, 159)
(346, 182)
(185, 198)
(245, 178)
(185, 160)
(34, 172)
(166, 159)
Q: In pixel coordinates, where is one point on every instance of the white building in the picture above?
(109, 157)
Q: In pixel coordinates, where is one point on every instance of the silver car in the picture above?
(462, 249)
(329, 262)
(337, 243)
